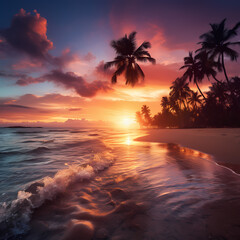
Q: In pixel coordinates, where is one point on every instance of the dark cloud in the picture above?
(11, 75)
(26, 80)
(27, 34)
(69, 80)
(72, 81)
(14, 106)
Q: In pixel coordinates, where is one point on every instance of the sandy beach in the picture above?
(222, 143)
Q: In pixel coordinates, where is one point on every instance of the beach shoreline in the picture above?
(223, 144)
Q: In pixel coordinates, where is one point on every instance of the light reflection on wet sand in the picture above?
(152, 191)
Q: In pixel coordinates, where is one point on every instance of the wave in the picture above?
(78, 131)
(58, 130)
(10, 152)
(28, 132)
(35, 151)
(48, 141)
(16, 215)
(39, 150)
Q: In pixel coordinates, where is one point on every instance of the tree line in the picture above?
(218, 107)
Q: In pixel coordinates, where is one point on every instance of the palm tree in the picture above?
(165, 103)
(208, 65)
(193, 71)
(219, 93)
(127, 56)
(218, 43)
(146, 112)
(194, 100)
(180, 91)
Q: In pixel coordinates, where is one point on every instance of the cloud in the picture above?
(72, 81)
(28, 64)
(69, 80)
(28, 34)
(74, 109)
(12, 75)
(89, 57)
(47, 100)
(14, 106)
(67, 57)
(99, 70)
(15, 112)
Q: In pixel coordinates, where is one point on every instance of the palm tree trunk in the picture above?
(229, 85)
(200, 90)
(216, 79)
(224, 70)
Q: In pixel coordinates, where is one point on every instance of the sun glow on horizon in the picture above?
(126, 122)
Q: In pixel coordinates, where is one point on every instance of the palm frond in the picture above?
(140, 70)
(110, 64)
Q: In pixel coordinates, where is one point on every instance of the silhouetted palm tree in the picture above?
(219, 93)
(180, 91)
(165, 103)
(145, 110)
(127, 55)
(193, 71)
(218, 43)
(194, 100)
(208, 65)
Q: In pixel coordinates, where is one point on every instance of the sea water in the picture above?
(101, 184)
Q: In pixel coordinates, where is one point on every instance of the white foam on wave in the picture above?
(16, 215)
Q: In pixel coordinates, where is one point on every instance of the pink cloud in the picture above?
(69, 80)
(27, 64)
(28, 34)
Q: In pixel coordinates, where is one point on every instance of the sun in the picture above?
(127, 122)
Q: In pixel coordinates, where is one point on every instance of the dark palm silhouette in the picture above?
(145, 110)
(180, 91)
(165, 103)
(219, 93)
(217, 42)
(127, 56)
(221, 106)
(194, 100)
(208, 66)
(193, 71)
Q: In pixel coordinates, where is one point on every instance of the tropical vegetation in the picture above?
(127, 56)
(217, 107)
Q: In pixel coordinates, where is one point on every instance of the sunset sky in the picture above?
(52, 55)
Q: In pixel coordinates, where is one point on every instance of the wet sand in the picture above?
(223, 144)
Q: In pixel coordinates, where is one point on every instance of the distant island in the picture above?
(20, 127)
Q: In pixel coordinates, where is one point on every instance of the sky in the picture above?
(52, 55)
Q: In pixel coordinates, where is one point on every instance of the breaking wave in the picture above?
(16, 215)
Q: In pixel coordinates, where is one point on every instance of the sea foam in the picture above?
(16, 215)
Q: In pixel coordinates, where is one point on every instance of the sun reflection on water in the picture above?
(128, 140)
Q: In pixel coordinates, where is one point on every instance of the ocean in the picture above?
(101, 184)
